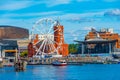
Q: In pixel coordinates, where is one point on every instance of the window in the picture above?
(10, 54)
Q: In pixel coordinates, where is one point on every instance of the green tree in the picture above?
(24, 54)
(73, 48)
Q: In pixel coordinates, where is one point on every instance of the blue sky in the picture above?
(77, 16)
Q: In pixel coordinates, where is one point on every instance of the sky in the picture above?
(77, 16)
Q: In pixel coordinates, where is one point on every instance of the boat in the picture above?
(116, 56)
(59, 63)
(8, 65)
(33, 62)
(117, 61)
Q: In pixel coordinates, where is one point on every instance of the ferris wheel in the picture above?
(44, 28)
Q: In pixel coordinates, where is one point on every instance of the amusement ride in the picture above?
(47, 38)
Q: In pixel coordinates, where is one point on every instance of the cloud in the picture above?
(93, 16)
(75, 35)
(11, 15)
(82, 17)
(52, 3)
(81, 20)
(15, 5)
(113, 12)
(88, 28)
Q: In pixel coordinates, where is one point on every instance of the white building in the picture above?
(42, 37)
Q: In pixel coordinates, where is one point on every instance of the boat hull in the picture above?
(59, 64)
(116, 55)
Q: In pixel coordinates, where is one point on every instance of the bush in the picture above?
(24, 54)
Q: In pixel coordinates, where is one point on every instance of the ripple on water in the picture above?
(70, 72)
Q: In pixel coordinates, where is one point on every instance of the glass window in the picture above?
(9, 54)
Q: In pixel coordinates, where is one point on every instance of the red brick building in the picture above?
(59, 32)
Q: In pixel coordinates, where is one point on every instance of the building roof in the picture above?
(8, 43)
(8, 26)
(96, 41)
(12, 32)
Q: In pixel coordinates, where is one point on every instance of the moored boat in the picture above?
(8, 65)
(116, 56)
(59, 63)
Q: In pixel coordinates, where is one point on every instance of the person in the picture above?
(16, 66)
(24, 65)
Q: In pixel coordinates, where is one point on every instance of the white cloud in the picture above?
(15, 5)
(31, 14)
(88, 28)
(113, 12)
(52, 3)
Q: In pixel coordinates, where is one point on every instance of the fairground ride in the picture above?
(51, 38)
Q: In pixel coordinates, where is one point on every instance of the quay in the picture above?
(73, 60)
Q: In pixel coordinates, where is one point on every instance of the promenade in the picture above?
(69, 60)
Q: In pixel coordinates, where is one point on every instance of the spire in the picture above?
(57, 22)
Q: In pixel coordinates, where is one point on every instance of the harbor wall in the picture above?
(69, 60)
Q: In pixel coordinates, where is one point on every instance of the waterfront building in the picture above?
(59, 38)
(8, 49)
(98, 42)
(97, 46)
(104, 34)
(12, 40)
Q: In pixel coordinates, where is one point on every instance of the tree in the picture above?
(73, 48)
(24, 54)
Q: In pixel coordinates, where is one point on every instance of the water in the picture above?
(70, 72)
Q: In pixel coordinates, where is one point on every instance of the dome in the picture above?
(13, 32)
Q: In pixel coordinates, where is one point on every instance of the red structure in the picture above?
(31, 50)
(58, 38)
